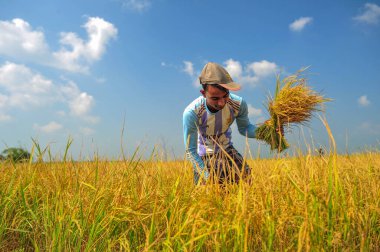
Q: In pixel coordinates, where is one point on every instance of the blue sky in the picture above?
(83, 69)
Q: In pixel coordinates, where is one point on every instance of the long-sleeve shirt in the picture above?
(205, 132)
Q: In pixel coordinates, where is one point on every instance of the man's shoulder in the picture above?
(195, 105)
(235, 102)
(236, 98)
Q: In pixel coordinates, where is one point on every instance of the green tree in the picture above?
(16, 155)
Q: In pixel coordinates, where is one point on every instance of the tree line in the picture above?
(15, 155)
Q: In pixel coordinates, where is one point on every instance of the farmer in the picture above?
(207, 132)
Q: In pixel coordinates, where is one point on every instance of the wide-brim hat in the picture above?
(213, 73)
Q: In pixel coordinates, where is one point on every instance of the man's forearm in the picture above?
(197, 162)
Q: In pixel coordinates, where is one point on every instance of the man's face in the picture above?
(215, 98)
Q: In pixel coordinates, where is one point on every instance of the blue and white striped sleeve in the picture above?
(245, 127)
(190, 134)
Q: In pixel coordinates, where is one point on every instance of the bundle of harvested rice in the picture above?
(293, 102)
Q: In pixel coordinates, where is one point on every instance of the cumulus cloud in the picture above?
(61, 113)
(5, 118)
(23, 88)
(91, 119)
(87, 131)
(252, 111)
(363, 101)
(189, 68)
(80, 103)
(255, 114)
(263, 68)
(20, 87)
(20, 41)
(15, 77)
(253, 73)
(76, 54)
(370, 14)
(299, 24)
(137, 5)
(234, 68)
(51, 127)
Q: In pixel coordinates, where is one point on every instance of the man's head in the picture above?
(216, 96)
(216, 83)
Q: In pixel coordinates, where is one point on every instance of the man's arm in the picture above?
(244, 126)
(190, 134)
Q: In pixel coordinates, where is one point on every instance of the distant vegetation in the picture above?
(15, 155)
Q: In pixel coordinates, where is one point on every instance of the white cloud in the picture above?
(137, 5)
(299, 24)
(196, 83)
(19, 78)
(20, 41)
(61, 113)
(250, 75)
(189, 68)
(22, 88)
(363, 101)
(370, 15)
(253, 73)
(100, 80)
(80, 103)
(254, 112)
(234, 68)
(87, 131)
(91, 119)
(76, 54)
(263, 68)
(49, 128)
(5, 118)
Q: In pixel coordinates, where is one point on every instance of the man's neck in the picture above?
(212, 110)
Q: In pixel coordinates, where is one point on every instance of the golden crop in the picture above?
(302, 203)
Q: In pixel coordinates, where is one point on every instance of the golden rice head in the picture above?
(295, 103)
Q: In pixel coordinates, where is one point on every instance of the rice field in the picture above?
(302, 203)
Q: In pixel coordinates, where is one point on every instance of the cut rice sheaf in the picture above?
(294, 103)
